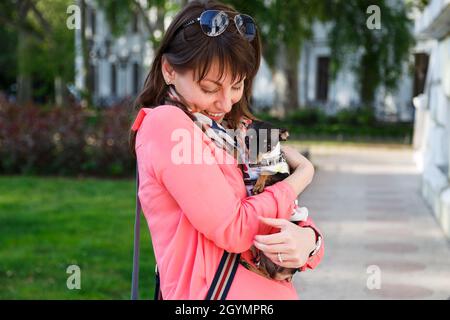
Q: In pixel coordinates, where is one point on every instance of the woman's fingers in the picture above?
(273, 248)
(273, 238)
(287, 261)
(292, 242)
(277, 223)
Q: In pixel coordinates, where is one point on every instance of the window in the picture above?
(113, 79)
(91, 79)
(93, 22)
(420, 72)
(135, 23)
(322, 79)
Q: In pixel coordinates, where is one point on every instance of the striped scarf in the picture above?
(222, 135)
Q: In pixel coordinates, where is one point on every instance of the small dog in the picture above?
(267, 165)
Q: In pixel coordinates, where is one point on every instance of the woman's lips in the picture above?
(215, 118)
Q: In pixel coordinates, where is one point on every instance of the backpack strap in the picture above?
(137, 236)
(222, 279)
(158, 294)
(224, 276)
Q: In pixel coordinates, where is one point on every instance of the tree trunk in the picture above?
(292, 56)
(60, 92)
(285, 79)
(367, 89)
(86, 93)
(280, 83)
(161, 13)
(24, 82)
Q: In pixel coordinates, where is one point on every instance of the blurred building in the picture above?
(317, 88)
(432, 121)
(118, 68)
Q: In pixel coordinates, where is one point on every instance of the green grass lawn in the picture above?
(49, 223)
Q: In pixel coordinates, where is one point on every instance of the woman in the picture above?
(195, 203)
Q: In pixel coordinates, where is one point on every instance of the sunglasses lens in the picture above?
(246, 26)
(213, 22)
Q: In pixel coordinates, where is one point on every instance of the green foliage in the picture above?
(39, 45)
(358, 124)
(307, 117)
(358, 116)
(377, 54)
(118, 13)
(281, 21)
(8, 59)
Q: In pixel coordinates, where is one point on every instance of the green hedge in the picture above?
(347, 124)
(76, 141)
(65, 141)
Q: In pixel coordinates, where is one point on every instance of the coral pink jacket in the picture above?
(197, 210)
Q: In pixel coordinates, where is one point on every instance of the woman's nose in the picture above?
(224, 104)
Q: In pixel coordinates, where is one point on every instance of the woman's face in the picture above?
(211, 96)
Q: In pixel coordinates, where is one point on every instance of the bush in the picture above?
(307, 117)
(65, 141)
(358, 116)
(347, 124)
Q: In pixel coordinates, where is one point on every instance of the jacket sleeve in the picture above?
(315, 259)
(200, 188)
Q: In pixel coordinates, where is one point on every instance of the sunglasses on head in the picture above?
(214, 22)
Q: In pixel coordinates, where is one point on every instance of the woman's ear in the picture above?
(167, 70)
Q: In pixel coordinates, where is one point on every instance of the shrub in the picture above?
(356, 123)
(356, 116)
(65, 141)
(307, 117)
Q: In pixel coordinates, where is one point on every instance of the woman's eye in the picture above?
(209, 91)
(237, 89)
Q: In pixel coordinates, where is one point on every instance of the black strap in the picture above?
(137, 236)
(158, 295)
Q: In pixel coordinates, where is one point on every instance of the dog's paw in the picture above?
(258, 188)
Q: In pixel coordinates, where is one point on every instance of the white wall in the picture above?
(432, 140)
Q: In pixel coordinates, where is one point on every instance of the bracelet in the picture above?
(318, 244)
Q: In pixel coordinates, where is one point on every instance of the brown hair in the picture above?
(189, 48)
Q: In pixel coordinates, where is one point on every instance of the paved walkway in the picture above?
(367, 203)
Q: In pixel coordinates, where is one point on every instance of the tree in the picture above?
(283, 25)
(120, 12)
(8, 57)
(44, 47)
(377, 54)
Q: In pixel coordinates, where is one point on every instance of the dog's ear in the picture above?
(284, 134)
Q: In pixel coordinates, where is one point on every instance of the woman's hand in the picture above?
(294, 243)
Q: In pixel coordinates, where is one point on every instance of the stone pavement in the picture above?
(367, 203)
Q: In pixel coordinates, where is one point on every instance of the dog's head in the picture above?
(263, 139)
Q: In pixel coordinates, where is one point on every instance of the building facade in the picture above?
(432, 121)
(119, 65)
